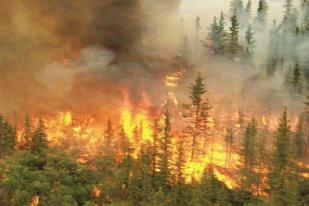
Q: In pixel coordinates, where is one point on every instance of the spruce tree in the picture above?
(7, 138)
(26, 140)
(196, 114)
(39, 142)
(248, 155)
(166, 154)
(229, 141)
(155, 152)
(108, 138)
(183, 58)
(296, 80)
(262, 13)
(250, 44)
(217, 34)
(180, 176)
(236, 7)
(234, 47)
(283, 172)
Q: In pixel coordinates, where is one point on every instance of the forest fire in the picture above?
(154, 102)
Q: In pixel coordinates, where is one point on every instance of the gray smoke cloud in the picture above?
(54, 54)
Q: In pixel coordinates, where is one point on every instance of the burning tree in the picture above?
(196, 114)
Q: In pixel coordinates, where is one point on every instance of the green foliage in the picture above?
(55, 178)
(7, 138)
(196, 113)
(234, 47)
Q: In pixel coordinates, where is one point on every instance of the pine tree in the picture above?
(288, 14)
(250, 44)
(196, 114)
(296, 79)
(39, 142)
(27, 134)
(180, 178)
(306, 119)
(155, 152)
(108, 138)
(123, 143)
(248, 155)
(234, 47)
(299, 139)
(305, 14)
(236, 7)
(141, 185)
(247, 13)
(217, 34)
(197, 37)
(262, 13)
(166, 155)
(7, 137)
(229, 141)
(273, 57)
(283, 172)
(183, 58)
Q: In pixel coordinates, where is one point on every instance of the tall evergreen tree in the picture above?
(196, 114)
(217, 34)
(233, 38)
(229, 141)
(7, 137)
(250, 44)
(27, 133)
(248, 155)
(39, 142)
(108, 138)
(166, 154)
(236, 7)
(183, 58)
(180, 176)
(283, 170)
(296, 79)
(262, 13)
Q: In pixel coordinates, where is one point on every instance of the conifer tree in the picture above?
(197, 37)
(123, 143)
(247, 13)
(248, 155)
(155, 152)
(250, 44)
(273, 56)
(283, 172)
(234, 47)
(108, 138)
(306, 119)
(180, 166)
(196, 114)
(262, 12)
(27, 133)
(296, 79)
(39, 142)
(288, 14)
(140, 185)
(229, 141)
(183, 58)
(236, 7)
(217, 34)
(166, 154)
(7, 137)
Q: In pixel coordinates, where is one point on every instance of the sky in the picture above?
(209, 8)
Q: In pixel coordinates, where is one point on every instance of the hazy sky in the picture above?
(206, 9)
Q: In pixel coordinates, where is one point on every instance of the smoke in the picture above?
(55, 53)
(81, 56)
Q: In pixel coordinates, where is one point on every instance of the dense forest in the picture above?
(201, 146)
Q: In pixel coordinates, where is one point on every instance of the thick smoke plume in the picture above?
(54, 54)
